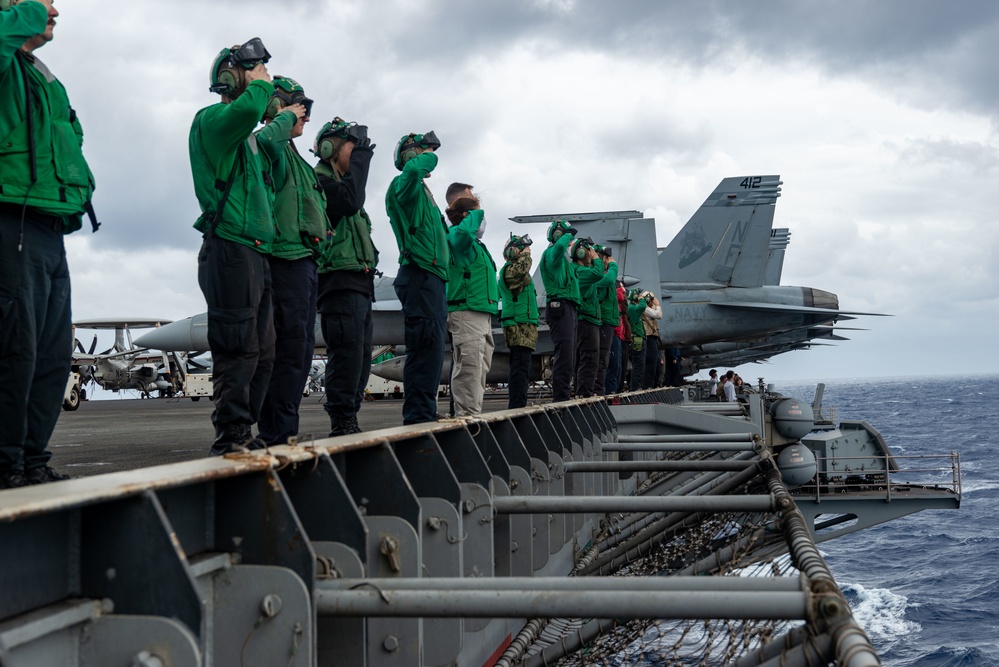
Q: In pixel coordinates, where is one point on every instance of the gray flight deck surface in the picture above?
(115, 435)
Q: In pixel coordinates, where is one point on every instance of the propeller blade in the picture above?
(93, 345)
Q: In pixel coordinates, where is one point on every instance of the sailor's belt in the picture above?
(33, 215)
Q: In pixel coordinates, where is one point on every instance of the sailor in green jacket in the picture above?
(610, 316)
(519, 315)
(424, 260)
(232, 180)
(300, 213)
(472, 301)
(346, 270)
(45, 186)
(562, 294)
(636, 309)
(592, 279)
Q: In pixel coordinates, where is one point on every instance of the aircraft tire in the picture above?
(195, 398)
(73, 402)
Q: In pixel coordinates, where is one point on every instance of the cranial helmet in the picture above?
(515, 245)
(228, 74)
(557, 229)
(633, 295)
(287, 91)
(332, 136)
(407, 147)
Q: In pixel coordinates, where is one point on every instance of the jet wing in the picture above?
(113, 323)
(788, 308)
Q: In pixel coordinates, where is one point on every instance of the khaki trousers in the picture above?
(472, 354)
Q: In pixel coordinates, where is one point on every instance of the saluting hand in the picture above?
(297, 109)
(258, 73)
(47, 3)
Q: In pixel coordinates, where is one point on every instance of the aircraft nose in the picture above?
(180, 336)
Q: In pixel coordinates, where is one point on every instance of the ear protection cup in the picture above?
(511, 253)
(231, 80)
(579, 252)
(326, 148)
(408, 155)
(273, 107)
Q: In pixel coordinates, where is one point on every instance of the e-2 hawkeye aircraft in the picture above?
(124, 365)
(719, 281)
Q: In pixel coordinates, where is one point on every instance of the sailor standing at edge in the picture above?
(232, 180)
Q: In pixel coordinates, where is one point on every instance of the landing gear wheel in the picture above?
(73, 401)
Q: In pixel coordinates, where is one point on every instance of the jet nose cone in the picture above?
(187, 335)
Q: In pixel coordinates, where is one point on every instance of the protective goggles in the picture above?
(295, 98)
(251, 54)
(351, 131)
(430, 140)
(521, 242)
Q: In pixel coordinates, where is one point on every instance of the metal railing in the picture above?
(874, 480)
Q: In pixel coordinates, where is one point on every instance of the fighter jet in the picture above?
(718, 279)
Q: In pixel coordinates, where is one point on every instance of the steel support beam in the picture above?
(657, 466)
(605, 504)
(553, 584)
(660, 446)
(486, 603)
(688, 437)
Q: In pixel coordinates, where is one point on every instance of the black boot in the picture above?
(13, 479)
(231, 438)
(45, 474)
(343, 426)
(352, 426)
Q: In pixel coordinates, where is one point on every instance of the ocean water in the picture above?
(926, 587)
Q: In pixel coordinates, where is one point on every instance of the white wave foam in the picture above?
(974, 487)
(880, 612)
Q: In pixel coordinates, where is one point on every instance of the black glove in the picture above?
(572, 230)
(365, 142)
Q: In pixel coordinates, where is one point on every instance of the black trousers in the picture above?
(520, 375)
(637, 367)
(347, 328)
(424, 307)
(295, 285)
(612, 379)
(589, 361)
(561, 318)
(236, 282)
(36, 336)
(649, 378)
(603, 359)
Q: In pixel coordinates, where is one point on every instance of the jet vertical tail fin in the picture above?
(726, 242)
(779, 238)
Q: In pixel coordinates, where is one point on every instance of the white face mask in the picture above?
(482, 229)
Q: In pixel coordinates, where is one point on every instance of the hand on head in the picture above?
(47, 3)
(297, 109)
(258, 73)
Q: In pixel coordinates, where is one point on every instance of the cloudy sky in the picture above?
(880, 117)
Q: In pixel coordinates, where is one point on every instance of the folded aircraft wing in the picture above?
(788, 308)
